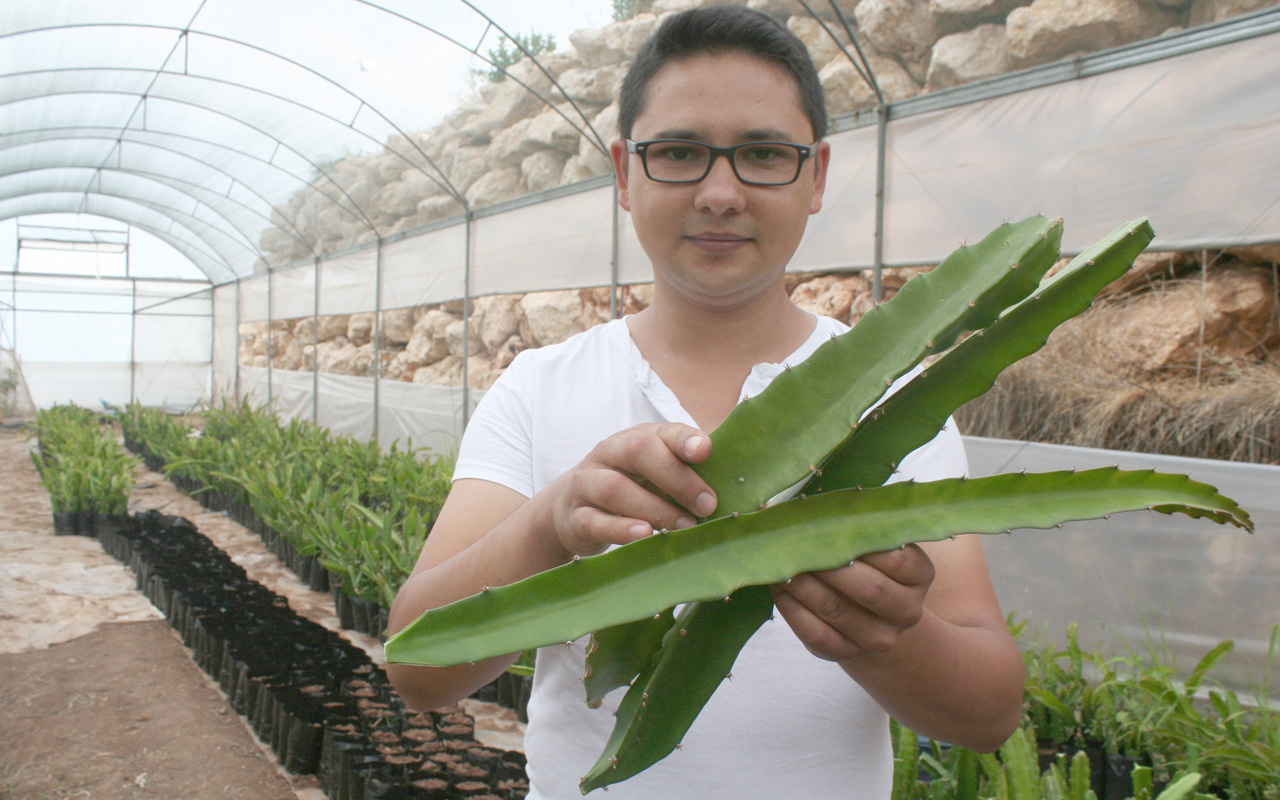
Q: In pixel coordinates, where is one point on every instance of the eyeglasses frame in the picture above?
(642, 149)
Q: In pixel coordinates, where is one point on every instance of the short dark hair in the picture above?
(716, 29)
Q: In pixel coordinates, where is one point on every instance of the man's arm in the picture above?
(921, 630)
(490, 535)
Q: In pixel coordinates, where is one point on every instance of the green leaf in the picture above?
(712, 560)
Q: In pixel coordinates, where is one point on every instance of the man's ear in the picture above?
(821, 158)
(618, 153)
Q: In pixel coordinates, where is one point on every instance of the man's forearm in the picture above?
(954, 683)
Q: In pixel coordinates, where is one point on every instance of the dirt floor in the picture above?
(98, 697)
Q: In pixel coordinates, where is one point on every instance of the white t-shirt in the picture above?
(787, 725)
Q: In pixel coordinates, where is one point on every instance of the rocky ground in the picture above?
(98, 696)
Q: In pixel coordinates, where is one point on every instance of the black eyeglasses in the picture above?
(755, 163)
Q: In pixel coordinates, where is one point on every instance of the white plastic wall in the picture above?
(1145, 579)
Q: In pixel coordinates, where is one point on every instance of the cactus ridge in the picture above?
(813, 407)
(713, 559)
(912, 416)
(618, 653)
(658, 709)
(1013, 258)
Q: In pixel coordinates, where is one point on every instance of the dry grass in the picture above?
(1088, 388)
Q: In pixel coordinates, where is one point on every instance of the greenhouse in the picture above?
(347, 218)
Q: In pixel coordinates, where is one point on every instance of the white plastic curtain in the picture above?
(1144, 580)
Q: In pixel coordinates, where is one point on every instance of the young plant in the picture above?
(827, 445)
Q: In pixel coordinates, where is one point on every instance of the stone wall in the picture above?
(507, 143)
(426, 344)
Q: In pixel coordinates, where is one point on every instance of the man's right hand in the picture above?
(616, 494)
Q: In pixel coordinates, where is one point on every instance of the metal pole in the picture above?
(877, 266)
(270, 396)
(466, 322)
(315, 344)
(377, 336)
(133, 324)
(613, 257)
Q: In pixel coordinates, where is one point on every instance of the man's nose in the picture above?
(720, 190)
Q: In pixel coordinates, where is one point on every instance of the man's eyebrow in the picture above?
(750, 135)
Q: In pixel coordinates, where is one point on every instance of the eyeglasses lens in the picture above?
(765, 163)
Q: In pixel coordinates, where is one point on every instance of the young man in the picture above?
(720, 164)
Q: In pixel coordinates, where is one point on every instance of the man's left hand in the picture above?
(863, 608)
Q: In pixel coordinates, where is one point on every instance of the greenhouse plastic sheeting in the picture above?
(572, 246)
(421, 416)
(425, 269)
(226, 341)
(1188, 141)
(1145, 579)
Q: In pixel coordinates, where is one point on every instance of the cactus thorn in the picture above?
(613, 762)
(972, 304)
(728, 676)
(679, 745)
(929, 343)
(657, 616)
(727, 598)
(576, 557)
(484, 588)
(734, 515)
(803, 496)
(684, 632)
(742, 480)
(663, 531)
(786, 367)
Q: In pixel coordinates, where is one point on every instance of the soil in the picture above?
(98, 697)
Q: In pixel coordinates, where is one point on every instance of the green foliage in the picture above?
(811, 422)
(80, 463)
(502, 57)
(364, 513)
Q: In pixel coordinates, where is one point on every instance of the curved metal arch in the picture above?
(199, 228)
(598, 142)
(287, 225)
(183, 35)
(32, 204)
(182, 187)
(354, 209)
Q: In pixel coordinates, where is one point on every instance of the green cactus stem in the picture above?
(618, 654)
(713, 559)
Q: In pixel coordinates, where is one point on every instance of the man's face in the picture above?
(720, 243)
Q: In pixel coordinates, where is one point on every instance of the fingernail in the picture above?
(705, 504)
(639, 531)
(692, 444)
(685, 522)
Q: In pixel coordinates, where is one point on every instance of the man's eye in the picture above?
(679, 153)
(762, 155)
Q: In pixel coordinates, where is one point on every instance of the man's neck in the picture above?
(704, 354)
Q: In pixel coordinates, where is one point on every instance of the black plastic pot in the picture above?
(1119, 777)
(66, 523)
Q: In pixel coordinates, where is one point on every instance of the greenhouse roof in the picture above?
(194, 119)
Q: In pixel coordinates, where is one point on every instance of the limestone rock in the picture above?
(481, 373)
(900, 27)
(501, 184)
(830, 295)
(499, 319)
(329, 327)
(1162, 329)
(614, 43)
(506, 352)
(1205, 11)
(966, 57)
(636, 298)
(445, 372)
(434, 208)
(428, 342)
(398, 323)
(589, 157)
(598, 86)
(543, 170)
(953, 16)
(574, 171)
(550, 317)
(360, 328)
(464, 165)
(595, 306)
(1048, 30)
(457, 331)
(401, 367)
(846, 91)
(1257, 254)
